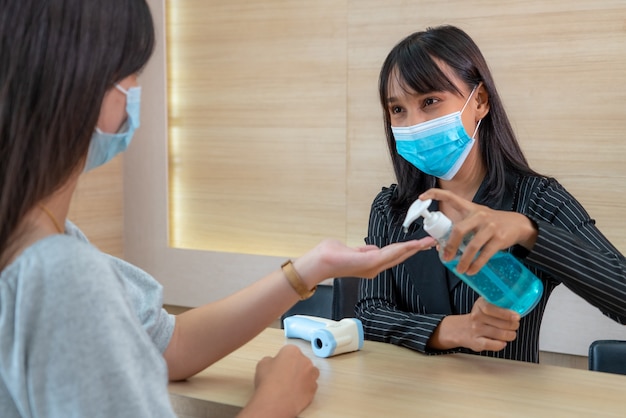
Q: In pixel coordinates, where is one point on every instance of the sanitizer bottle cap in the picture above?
(435, 223)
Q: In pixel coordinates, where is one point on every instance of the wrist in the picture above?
(530, 234)
(308, 270)
(445, 336)
(302, 288)
(262, 405)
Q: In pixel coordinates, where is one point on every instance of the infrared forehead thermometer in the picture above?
(328, 338)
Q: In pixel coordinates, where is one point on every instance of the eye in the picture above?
(429, 101)
(395, 110)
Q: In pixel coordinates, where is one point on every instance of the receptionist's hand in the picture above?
(486, 327)
(492, 230)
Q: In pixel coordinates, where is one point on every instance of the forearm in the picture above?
(591, 267)
(446, 335)
(204, 335)
(570, 249)
(383, 320)
(405, 329)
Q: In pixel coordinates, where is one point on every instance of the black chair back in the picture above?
(320, 305)
(332, 302)
(608, 356)
(345, 297)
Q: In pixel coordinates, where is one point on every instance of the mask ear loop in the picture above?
(469, 97)
(465, 105)
(476, 130)
(122, 89)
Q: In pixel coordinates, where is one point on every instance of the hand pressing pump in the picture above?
(503, 281)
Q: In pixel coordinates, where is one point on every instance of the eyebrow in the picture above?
(394, 99)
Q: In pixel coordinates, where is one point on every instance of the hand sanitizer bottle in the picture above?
(503, 281)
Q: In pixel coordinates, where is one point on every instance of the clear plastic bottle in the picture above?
(503, 281)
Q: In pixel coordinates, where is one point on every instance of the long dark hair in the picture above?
(57, 60)
(413, 61)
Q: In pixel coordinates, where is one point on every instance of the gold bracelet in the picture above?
(296, 281)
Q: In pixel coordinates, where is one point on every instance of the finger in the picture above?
(396, 253)
(369, 265)
(475, 253)
(261, 369)
(420, 244)
(506, 335)
(411, 245)
(366, 248)
(456, 202)
(479, 262)
(488, 344)
(497, 329)
(490, 336)
(480, 237)
(462, 234)
(495, 313)
(316, 374)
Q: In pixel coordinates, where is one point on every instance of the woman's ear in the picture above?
(482, 101)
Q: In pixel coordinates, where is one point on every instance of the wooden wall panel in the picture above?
(276, 129)
(257, 124)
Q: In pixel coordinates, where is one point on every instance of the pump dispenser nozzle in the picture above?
(435, 223)
(417, 209)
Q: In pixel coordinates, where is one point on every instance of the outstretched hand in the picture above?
(331, 258)
(492, 230)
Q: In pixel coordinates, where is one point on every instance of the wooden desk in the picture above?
(383, 380)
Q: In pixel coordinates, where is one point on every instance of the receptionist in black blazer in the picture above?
(458, 149)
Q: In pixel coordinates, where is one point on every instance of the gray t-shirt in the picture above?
(81, 334)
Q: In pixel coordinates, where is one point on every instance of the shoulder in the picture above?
(385, 219)
(64, 269)
(382, 210)
(66, 312)
(540, 188)
(60, 280)
(382, 201)
(538, 182)
(545, 197)
(74, 231)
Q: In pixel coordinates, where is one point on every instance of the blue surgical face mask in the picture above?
(105, 146)
(437, 147)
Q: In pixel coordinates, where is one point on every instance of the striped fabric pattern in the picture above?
(569, 250)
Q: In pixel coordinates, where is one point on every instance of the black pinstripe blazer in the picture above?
(404, 305)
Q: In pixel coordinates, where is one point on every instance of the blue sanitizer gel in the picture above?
(503, 281)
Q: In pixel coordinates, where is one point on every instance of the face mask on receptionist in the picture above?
(437, 147)
(104, 146)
